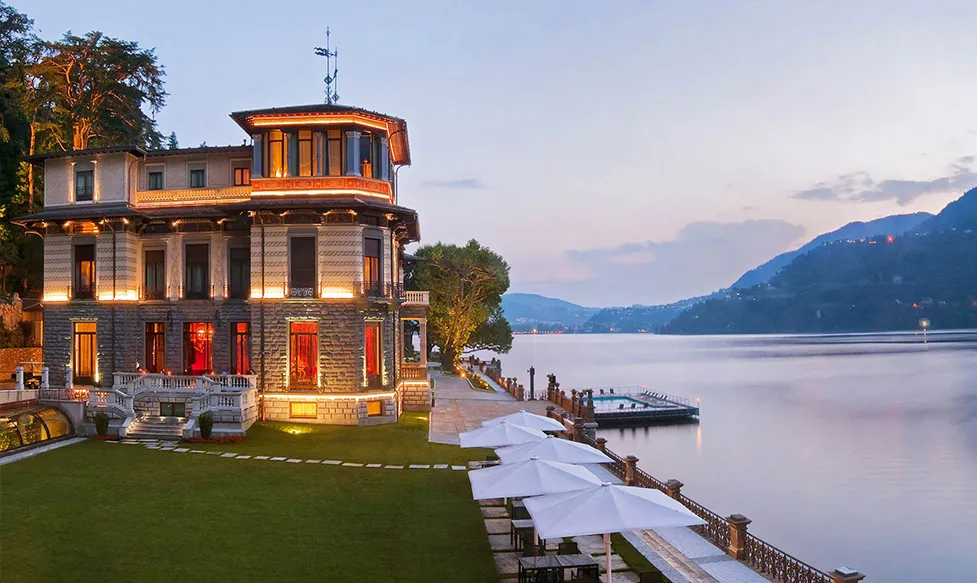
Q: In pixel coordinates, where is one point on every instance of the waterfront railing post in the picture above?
(674, 489)
(578, 429)
(573, 402)
(551, 411)
(630, 465)
(845, 575)
(601, 444)
(737, 536)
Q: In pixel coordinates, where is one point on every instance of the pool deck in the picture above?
(645, 407)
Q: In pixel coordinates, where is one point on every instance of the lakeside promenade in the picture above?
(679, 553)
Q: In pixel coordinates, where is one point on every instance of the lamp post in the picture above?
(532, 383)
(924, 323)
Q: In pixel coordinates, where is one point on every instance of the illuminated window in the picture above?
(301, 267)
(84, 181)
(198, 341)
(319, 143)
(335, 146)
(155, 347)
(276, 154)
(305, 153)
(156, 180)
(373, 353)
(371, 266)
(84, 288)
(239, 273)
(198, 178)
(302, 410)
(155, 275)
(366, 155)
(241, 348)
(303, 354)
(197, 268)
(84, 352)
(242, 176)
(374, 408)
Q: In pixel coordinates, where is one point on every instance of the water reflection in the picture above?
(843, 449)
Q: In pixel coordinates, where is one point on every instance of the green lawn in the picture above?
(107, 512)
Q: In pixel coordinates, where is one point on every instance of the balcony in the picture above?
(193, 196)
(323, 185)
(417, 298)
(378, 290)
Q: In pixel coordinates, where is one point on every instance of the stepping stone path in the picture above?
(172, 446)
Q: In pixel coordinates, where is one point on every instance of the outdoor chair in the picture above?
(602, 391)
(531, 550)
(633, 405)
(570, 548)
(612, 391)
(621, 406)
(650, 577)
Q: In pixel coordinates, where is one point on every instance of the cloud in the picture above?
(457, 184)
(860, 187)
(702, 257)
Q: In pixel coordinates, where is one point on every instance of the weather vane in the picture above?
(332, 70)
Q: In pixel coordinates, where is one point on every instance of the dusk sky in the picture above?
(613, 152)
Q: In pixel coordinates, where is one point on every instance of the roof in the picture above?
(396, 127)
(202, 150)
(134, 150)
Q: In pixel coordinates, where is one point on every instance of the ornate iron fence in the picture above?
(777, 564)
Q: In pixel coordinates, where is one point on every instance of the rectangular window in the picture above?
(301, 267)
(198, 178)
(198, 341)
(256, 159)
(373, 353)
(155, 347)
(302, 410)
(371, 266)
(292, 150)
(154, 284)
(239, 273)
(84, 351)
(276, 154)
(84, 182)
(156, 180)
(305, 153)
(366, 155)
(84, 272)
(335, 139)
(197, 267)
(303, 354)
(241, 348)
(242, 176)
(374, 408)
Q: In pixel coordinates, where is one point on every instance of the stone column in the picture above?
(45, 378)
(19, 376)
(217, 277)
(846, 575)
(69, 375)
(601, 444)
(737, 536)
(353, 153)
(630, 465)
(674, 489)
(423, 342)
(578, 429)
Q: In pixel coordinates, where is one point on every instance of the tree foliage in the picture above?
(466, 285)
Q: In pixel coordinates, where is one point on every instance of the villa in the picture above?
(262, 281)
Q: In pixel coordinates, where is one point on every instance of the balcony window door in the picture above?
(241, 348)
(154, 283)
(84, 353)
(197, 267)
(84, 272)
(155, 347)
(198, 342)
(373, 354)
(303, 354)
(276, 154)
(334, 140)
(301, 267)
(239, 273)
(371, 266)
(366, 155)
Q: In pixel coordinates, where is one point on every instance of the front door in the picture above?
(173, 409)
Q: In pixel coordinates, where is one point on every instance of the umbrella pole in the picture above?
(607, 554)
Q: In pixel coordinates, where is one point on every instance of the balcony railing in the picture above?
(417, 298)
(413, 372)
(301, 291)
(379, 290)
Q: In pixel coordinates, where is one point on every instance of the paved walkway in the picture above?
(458, 407)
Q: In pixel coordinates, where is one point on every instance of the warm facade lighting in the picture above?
(336, 293)
(130, 295)
(326, 397)
(56, 297)
(273, 121)
(270, 293)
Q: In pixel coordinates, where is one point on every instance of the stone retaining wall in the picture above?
(416, 396)
(333, 411)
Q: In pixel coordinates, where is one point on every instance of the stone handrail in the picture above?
(111, 399)
(135, 383)
(421, 298)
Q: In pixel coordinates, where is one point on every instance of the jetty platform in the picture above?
(640, 406)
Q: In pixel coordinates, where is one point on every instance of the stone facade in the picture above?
(340, 411)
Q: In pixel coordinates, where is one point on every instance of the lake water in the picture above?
(844, 450)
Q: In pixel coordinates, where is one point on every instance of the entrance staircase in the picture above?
(162, 428)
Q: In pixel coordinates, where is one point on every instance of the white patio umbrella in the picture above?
(527, 419)
(500, 434)
(605, 509)
(531, 477)
(553, 449)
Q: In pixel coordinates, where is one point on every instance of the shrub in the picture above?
(206, 423)
(101, 423)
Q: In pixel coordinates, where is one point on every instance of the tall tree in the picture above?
(466, 285)
(100, 87)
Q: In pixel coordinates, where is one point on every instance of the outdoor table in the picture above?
(519, 527)
(519, 511)
(545, 568)
(583, 563)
